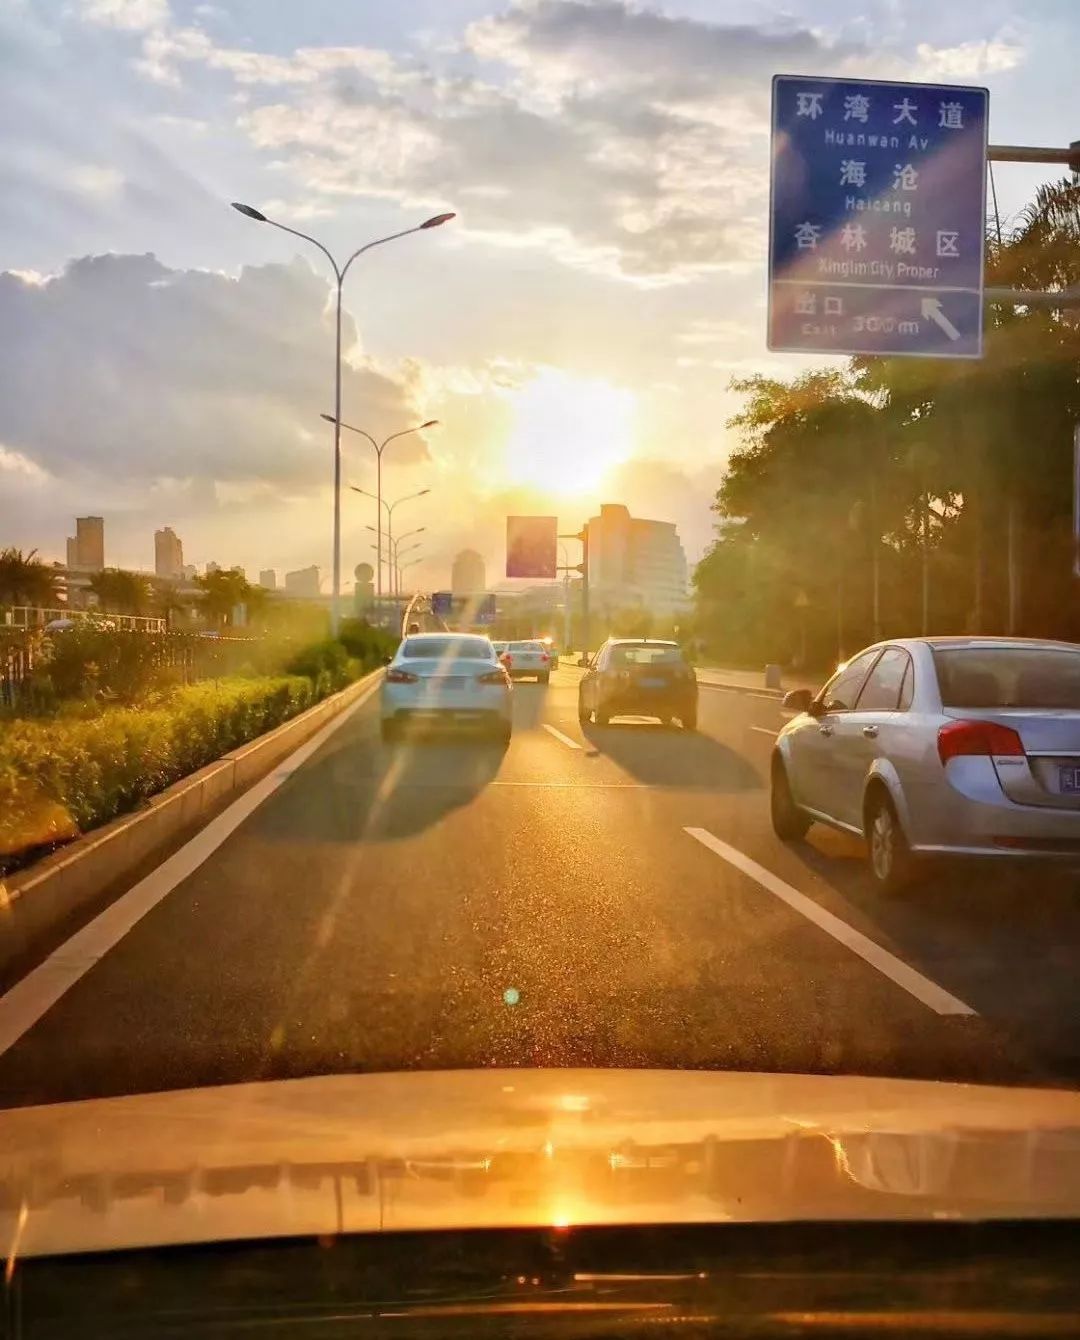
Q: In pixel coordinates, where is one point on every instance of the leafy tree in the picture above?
(120, 592)
(222, 591)
(944, 486)
(25, 579)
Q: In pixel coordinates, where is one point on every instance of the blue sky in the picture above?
(575, 328)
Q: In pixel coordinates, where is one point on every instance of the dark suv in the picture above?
(639, 677)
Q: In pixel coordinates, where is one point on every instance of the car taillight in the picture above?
(493, 677)
(396, 676)
(506, 658)
(544, 657)
(963, 738)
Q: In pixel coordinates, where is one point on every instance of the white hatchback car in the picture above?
(451, 679)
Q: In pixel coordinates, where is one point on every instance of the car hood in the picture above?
(366, 1153)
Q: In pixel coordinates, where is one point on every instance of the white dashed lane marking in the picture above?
(896, 970)
(566, 740)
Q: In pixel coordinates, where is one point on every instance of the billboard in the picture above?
(531, 546)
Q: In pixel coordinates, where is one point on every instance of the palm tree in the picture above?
(25, 579)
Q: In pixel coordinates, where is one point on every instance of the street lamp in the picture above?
(395, 550)
(389, 506)
(340, 271)
(392, 562)
(411, 561)
(380, 447)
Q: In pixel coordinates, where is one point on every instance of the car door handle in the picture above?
(870, 732)
(825, 730)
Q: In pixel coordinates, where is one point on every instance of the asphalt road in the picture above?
(449, 904)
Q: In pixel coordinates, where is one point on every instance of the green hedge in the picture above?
(61, 776)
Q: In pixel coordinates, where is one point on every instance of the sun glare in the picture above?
(568, 433)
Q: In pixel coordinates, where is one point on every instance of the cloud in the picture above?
(123, 373)
(93, 180)
(969, 60)
(129, 15)
(619, 139)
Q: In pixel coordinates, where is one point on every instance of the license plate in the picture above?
(653, 683)
(1069, 780)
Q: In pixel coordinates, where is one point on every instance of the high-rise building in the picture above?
(168, 554)
(467, 575)
(87, 549)
(268, 579)
(635, 562)
(190, 572)
(302, 582)
(212, 567)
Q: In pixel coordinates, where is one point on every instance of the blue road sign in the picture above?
(486, 613)
(877, 213)
(442, 602)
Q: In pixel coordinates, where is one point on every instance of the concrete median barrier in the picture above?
(36, 903)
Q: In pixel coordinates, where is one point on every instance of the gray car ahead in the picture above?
(958, 746)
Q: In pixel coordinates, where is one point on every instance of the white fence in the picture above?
(35, 616)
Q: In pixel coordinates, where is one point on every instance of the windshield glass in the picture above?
(446, 648)
(490, 492)
(646, 655)
(1009, 677)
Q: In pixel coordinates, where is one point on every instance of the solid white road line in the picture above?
(764, 730)
(570, 744)
(936, 997)
(28, 1000)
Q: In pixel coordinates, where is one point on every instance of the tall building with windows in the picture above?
(468, 576)
(302, 582)
(86, 548)
(168, 554)
(635, 562)
(268, 579)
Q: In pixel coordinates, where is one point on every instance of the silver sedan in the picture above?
(946, 746)
(451, 679)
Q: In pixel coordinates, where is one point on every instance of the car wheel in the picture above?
(892, 866)
(543, 679)
(388, 729)
(789, 822)
(503, 733)
(689, 718)
(582, 712)
(601, 718)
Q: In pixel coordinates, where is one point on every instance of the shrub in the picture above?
(62, 776)
(368, 645)
(326, 664)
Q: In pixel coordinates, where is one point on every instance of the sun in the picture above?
(568, 432)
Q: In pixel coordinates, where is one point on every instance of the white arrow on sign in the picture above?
(931, 309)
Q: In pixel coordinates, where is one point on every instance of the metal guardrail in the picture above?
(37, 616)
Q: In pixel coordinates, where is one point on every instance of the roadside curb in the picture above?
(38, 900)
(775, 694)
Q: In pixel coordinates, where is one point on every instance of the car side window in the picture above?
(842, 691)
(600, 660)
(881, 692)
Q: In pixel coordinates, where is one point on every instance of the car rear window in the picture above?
(1008, 677)
(447, 648)
(654, 655)
(527, 646)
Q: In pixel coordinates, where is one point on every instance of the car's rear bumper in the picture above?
(662, 703)
(970, 815)
(488, 703)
